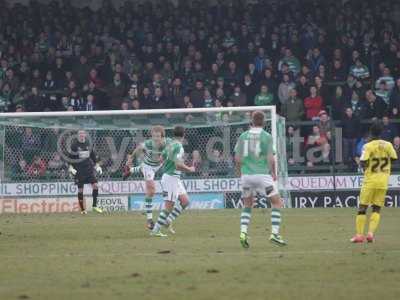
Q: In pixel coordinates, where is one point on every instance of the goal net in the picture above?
(35, 146)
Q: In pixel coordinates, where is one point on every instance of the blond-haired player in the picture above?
(376, 160)
(152, 162)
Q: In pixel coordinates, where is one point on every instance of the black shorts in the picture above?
(83, 178)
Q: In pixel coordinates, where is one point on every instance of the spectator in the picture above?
(264, 97)
(290, 136)
(383, 92)
(375, 106)
(324, 123)
(208, 100)
(284, 87)
(89, 105)
(34, 102)
(56, 166)
(293, 109)
(116, 91)
(249, 88)
(387, 78)
(125, 105)
(359, 70)
(338, 72)
(394, 101)
(317, 147)
(238, 98)
(218, 164)
(146, 98)
(269, 79)
(356, 105)
(389, 130)
(177, 93)
(158, 101)
(233, 75)
(135, 104)
(196, 161)
(350, 125)
(313, 104)
(37, 168)
(197, 95)
(5, 98)
(396, 146)
(292, 62)
(303, 89)
(316, 59)
(337, 103)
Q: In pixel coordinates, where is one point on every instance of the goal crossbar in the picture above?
(136, 112)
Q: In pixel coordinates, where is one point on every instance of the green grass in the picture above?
(112, 257)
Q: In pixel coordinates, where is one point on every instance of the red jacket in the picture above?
(313, 106)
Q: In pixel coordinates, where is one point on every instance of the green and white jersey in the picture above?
(253, 148)
(172, 154)
(153, 152)
(359, 72)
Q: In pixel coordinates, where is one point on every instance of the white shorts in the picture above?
(258, 184)
(172, 188)
(149, 172)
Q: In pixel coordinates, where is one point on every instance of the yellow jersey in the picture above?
(378, 156)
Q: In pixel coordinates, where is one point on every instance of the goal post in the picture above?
(34, 144)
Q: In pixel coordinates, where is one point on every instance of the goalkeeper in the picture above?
(84, 167)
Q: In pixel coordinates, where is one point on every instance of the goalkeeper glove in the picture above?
(98, 169)
(72, 170)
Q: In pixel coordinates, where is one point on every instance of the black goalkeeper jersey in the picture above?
(83, 157)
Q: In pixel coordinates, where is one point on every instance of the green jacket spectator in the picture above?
(264, 97)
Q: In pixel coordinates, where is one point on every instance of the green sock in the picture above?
(245, 219)
(275, 220)
(149, 207)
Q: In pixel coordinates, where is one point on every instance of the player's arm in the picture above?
(180, 164)
(96, 161)
(238, 165)
(73, 156)
(138, 150)
(271, 157)
(272, 166)
(392, 153)
(364, 159)
(238, 154)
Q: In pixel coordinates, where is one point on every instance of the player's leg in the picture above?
(374, 219)
(267, 186)
(149, 174)
(150, 186)
(170, 196)
(179, 207)
(276, 217)
(162, 219)
(95, 194)
(361, 218)
(80, 198)
(245, 216)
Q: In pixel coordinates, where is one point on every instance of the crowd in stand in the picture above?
(329, 63)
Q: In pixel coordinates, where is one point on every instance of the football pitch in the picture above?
(69, 256)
